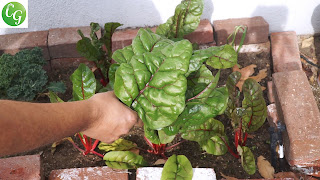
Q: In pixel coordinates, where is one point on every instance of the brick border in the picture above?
(60, 43)
(296, 107)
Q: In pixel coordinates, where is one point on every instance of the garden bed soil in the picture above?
(66, 156)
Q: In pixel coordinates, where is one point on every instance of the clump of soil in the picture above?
(66, 156)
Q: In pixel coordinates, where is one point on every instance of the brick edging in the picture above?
(61, 42)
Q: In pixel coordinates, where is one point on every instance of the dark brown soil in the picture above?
(66, 156)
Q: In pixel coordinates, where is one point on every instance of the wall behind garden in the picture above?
(302, 16)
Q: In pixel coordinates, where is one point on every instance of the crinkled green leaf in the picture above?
(254, 105)
(58, 87)
(204, 131)
(123, 55)
(111, 73)
(109, 29)
(233, 102)
(172, 129)
(211, 56)
(152, 135)
(91, 50)
(177, 167)
(118, 145)
(226, 58)
(94, 28)
(209, 103)
(247, 159)
(204, 75)
(54, 98)
(124, 160)
(84, 83)
(145, 41)
(186, 19)
(153, 83)
(214, 145)
(164, 138)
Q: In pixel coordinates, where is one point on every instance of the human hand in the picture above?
(110, 118)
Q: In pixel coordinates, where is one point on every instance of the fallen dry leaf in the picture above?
(265, 168)
(246, 73)
(160, 161)
(228, 177)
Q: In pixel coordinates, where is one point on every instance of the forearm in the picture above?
(25, 126)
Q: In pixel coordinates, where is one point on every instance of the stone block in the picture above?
(154, 173)
(285, 52)
(258, 30)
(92, 173)
(203, 34)
(297, 107)
(13, 43)
(62, 41)
(21, 167)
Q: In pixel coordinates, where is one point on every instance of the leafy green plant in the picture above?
(83, 79)
(92, 49)
(21, 75)
(177, 166)
(248, 118)
(170, 86)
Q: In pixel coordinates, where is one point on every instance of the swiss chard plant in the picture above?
(83, 79)
(246, 118)
(169, 84)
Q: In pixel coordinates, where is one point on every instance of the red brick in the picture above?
(258, 30)
(68, 62)
(285, 52)
(92, 173)
(203, 34)
(20, 167)
(13, 43)
(62, 41)
(270, 92)
(298, 109)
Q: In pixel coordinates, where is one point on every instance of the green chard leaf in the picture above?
(109, 29)
(247, 159)
(123, 55)
(84, 83)
(118, 145)
(164, 138)
(255, 107)
(124, 160)
(204, 131)
(214, 145)
(207, 102)
(226, 58)
(153, 83)
(152, 135)
(233, 101)
(112, 73)
(54, 98)
(177, 167)
(186, 19)
(90, 49)
(211, 56)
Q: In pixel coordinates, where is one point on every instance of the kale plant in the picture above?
(21, 75)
